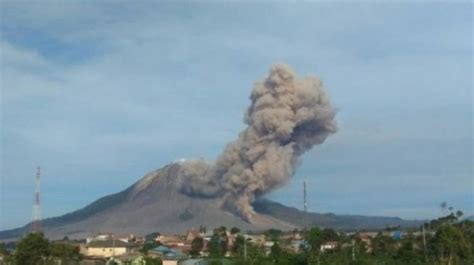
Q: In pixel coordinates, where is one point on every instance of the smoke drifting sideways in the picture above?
(287, 117)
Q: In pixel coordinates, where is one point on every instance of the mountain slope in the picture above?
(329, 220)
(155, 203)
(152, 204)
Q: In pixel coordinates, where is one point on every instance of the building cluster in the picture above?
(177, 249)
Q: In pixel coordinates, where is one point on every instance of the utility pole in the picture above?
(36, 218)
(305, 206)
(113, 247)
(353, 250)
(245, 246)
(424, 240)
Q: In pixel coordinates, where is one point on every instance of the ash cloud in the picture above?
(287, 117)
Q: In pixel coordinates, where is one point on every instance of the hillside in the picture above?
(329, 220)
(155, 203)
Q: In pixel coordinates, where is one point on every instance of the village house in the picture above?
(330, 245)
(258, 239)
(192, 234)
(107, 248)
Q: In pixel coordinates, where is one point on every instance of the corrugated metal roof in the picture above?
(107, 244)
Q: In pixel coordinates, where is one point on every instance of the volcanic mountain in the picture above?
(155, 203)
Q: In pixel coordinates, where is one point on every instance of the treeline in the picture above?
(447, 241)
(35, 249)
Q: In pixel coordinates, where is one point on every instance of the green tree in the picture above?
(315, 238)
(217, 246)
(64, 251)
(408, 254)
(238, 247)
(450, 244)
(153, 261)
(276, 252)
(273, 234)
(383, 245)
(32, 250)
(148, 246)
(234, 230)
(196, 246)
(215, 262)
(3, 249)
(330, 235)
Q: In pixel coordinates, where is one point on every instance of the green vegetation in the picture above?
(447, 241)
(35, 249)
(196, 246)
(217, 246)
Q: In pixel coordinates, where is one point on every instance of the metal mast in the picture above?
(36, 219)
(305, 206)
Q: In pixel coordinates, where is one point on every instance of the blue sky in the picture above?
(100, 93)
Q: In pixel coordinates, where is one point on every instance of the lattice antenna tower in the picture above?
(36, 218)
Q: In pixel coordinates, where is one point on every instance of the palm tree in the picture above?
(443, 207)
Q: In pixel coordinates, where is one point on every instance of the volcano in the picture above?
(154, 203)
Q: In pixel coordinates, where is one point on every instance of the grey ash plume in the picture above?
(287, 117)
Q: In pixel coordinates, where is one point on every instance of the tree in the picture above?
(217, 246)
(315, 239)
(148, 246)
(330, 235)
(238, 247)
(3, 249)
(443, 206)
(459, 214)
(234, 230)
(64, 251)
(221, 230)
(276, 252)
(383, 245)
(196, 246)
(32, 250)
(152, 261)
(450, 244)
(451, 208)
(273, 234)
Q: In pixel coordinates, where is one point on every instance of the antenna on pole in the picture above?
(36, 219)
(305, 206)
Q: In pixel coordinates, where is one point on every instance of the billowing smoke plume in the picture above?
(287, 117)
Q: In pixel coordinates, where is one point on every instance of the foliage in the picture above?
(447, 241)
(32, 250)
(64, 251)
(217, 245)
(273, 234)
(450, 244)
(196, 246)
(152, 261)
(149, 245)
(151, 237)
(315, 238)
(234, 230)
(276, 252)
(35, 249)
(384, 245)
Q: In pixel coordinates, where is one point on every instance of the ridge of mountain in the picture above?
(154, 203)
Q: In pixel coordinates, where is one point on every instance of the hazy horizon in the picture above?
(98, 94)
